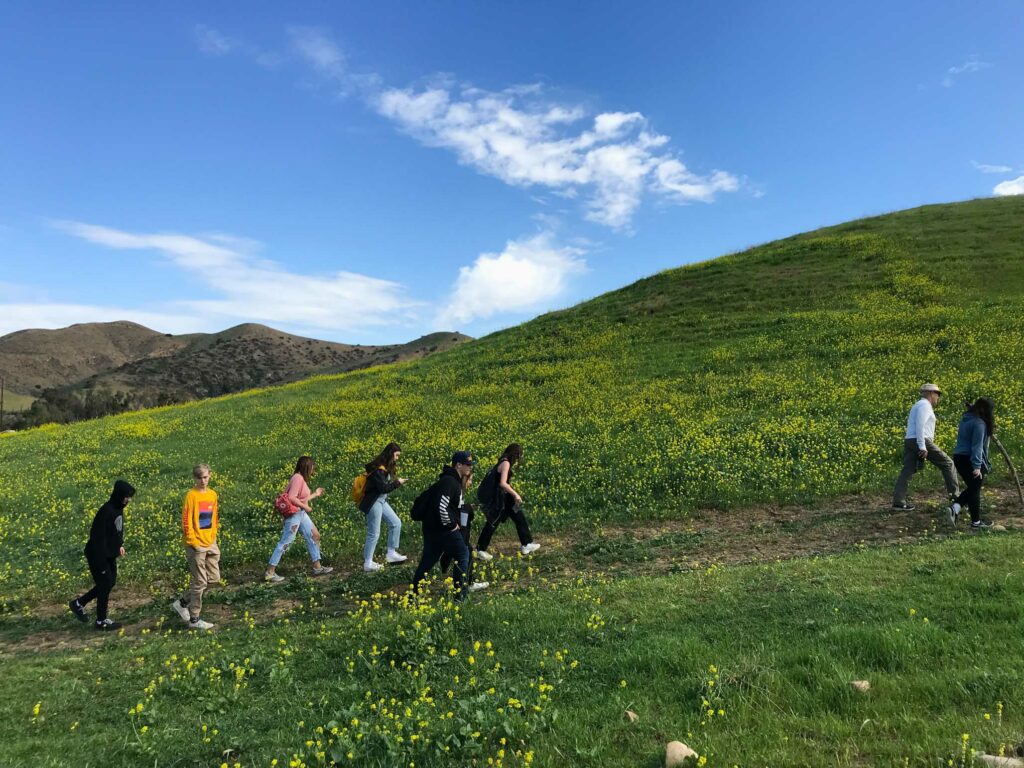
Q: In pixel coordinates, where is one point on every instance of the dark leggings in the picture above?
(517, 516)
(447, 559)
(104, 573)
(439, 543)
(971, 495)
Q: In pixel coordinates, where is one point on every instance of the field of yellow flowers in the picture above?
(780, 374)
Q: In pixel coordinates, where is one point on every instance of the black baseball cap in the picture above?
(463, 457)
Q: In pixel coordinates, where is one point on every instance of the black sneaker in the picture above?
(904, 507)
(78, 610)
(981, 525)
(107, 625)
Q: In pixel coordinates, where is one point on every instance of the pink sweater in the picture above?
(298, 488)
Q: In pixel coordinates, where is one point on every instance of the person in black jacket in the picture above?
(380, 481)
(105, 545)
(441, 533)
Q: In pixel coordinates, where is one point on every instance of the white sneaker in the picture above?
(476, 586)
(323, 570)
(181, 610)
(372, 567)
(395, 557)
(526, 549)
(273, 578)
(483, 554)
(200, 624)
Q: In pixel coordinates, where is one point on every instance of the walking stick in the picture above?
(999, 445)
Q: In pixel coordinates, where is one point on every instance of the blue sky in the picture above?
(368, 172)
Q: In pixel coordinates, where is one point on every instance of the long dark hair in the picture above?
(982, 408)
(385, 458)
(512, 454)
(305, 466)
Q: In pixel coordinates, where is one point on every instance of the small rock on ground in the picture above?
(677, 753)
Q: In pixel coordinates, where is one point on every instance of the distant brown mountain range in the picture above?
(152, 368)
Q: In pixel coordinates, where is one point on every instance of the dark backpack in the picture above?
(487, 491)
(421, 506)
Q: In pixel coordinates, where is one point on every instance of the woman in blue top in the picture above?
(970, 457)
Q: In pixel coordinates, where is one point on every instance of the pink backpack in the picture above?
(283, 506)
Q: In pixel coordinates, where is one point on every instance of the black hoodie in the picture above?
(444, 512)
(106, 537)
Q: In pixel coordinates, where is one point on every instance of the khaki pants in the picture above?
(910, 460)
(204, 565)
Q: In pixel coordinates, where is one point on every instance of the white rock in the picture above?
(632, 716)
(861, 685)
(1001, 762)
(677, 753)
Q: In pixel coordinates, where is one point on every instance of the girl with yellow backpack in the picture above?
(379, 481)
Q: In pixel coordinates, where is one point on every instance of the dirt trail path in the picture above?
(763, 533)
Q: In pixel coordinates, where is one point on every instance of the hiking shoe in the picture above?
(107, 625)
(78, 610)
(904, 507)
(198, 623)
(273, 578)
(483, 554)
(981, 525)
(372, 567)
(526, 549)
(181, 610)
(395, 557)
(476, 586)
(323, 570)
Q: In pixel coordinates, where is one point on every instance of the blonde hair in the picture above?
(198, 469)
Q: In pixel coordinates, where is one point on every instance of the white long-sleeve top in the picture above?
(921, 423)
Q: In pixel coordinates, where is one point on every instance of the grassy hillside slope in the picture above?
(780, 373)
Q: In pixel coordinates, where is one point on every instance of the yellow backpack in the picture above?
(359, 487)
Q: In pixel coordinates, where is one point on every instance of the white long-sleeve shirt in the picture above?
(921, 423)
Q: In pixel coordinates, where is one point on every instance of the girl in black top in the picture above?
(105, 545)
(507, 504)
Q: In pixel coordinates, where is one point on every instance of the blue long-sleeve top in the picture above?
(972, 440)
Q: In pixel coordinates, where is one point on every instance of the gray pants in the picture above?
(910, 466)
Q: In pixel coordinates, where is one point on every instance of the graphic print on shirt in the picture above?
(205, 515)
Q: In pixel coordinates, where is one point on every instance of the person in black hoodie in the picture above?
(466, 514)
(105, 545)
(380, 481)
(441, 533)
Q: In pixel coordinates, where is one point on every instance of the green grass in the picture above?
(935, 628)
(13, 402)
(779, 375)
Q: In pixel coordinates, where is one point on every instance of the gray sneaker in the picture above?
(198, 623)
(273, 578)
(181, 610)
(323, 570)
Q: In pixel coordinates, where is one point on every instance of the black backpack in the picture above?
(421, 505)
(487, 491)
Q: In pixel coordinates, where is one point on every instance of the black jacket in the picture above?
(443, 515)
(377, 484)
(106, 537)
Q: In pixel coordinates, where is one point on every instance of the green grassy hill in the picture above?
(778, 374)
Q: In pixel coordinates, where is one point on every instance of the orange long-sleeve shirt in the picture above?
(199, 517)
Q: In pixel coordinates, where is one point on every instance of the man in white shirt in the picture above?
(918, 445)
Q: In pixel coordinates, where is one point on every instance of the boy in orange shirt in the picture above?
(199, 519)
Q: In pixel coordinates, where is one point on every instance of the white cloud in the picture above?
(529, 272)
(522, 139)
(212, 42)
(319, 50)
(255, 289)
(985, 168)
(971, 65)
(1010, 187)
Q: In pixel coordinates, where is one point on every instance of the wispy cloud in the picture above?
(317, 48)
(985, 168)
(253, 288)
(973, 64)
(212, 42)
(528, 273)
(523, 138)
(1010, 187)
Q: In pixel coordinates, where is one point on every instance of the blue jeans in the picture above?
(380, 509)
(299, 522)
